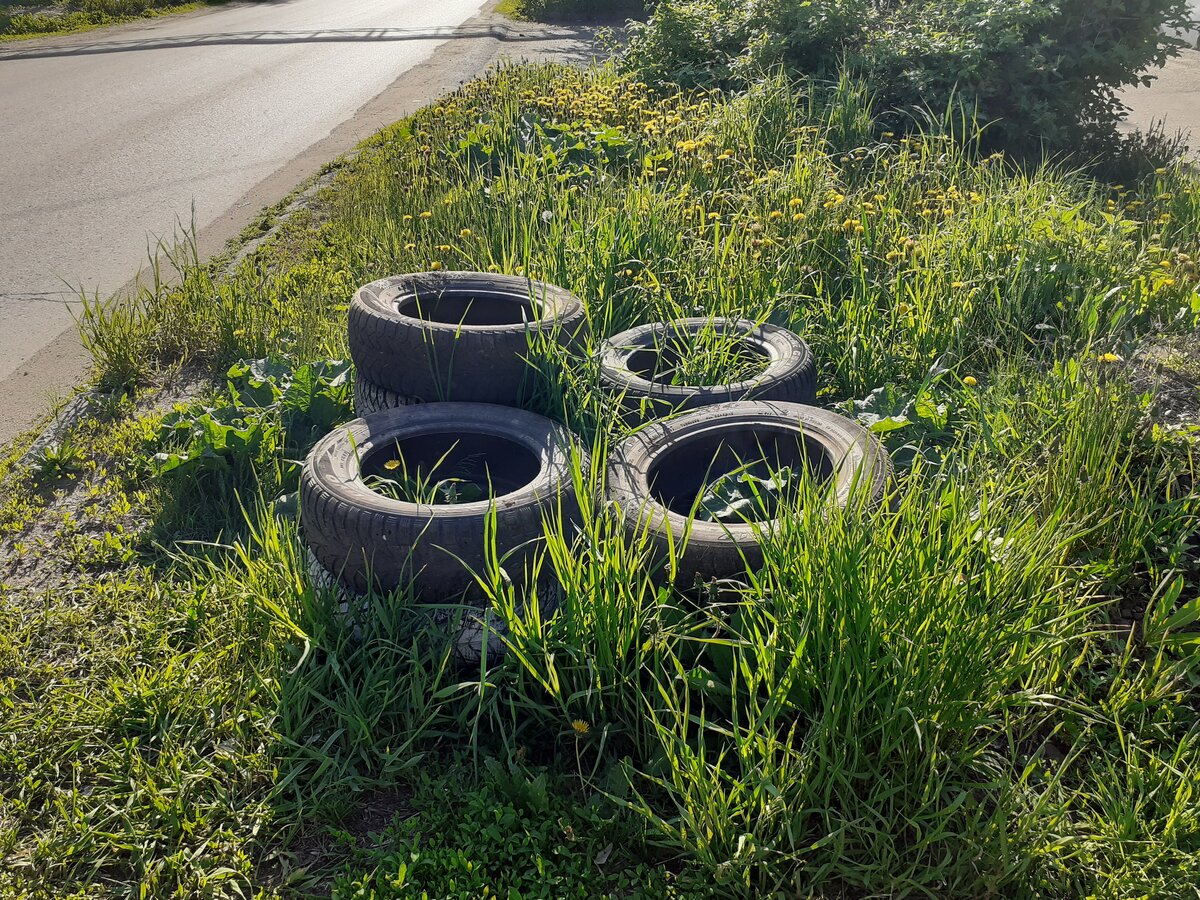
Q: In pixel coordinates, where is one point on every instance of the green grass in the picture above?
(74, 17)
(987, 688)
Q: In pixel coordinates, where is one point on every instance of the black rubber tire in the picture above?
(369, 540)
(861, 471)
(434, 360)
(790, 374)
(370, 398)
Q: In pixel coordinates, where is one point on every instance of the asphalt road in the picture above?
(109, 140)
(1173, 99)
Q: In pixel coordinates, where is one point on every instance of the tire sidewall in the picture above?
(431, 361)
(400, 530)
(863, 471)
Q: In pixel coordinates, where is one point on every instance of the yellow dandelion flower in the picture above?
(410, 246)
(444, 248)
(435, 266)
(392, 464)
(957, 285)
(580, 726)
(408, 218)
(427, 215)
(798, 217)
(970, 381)
(794, 202)
(776, 214)
(1110, 358)
(465, 233)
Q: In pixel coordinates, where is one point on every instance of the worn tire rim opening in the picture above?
(497, 465)
(469, 307)
(681, 475)
(659, 364)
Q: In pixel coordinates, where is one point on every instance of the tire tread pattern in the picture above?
(434, 361)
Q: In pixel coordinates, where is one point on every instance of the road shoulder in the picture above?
(61, 368)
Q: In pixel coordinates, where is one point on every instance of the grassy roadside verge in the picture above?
(18, 25)
(988, 688)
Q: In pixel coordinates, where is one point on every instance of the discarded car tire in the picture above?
(370, 540)
(656, 475)
(465, 336)
(635, 365)
(371, 398)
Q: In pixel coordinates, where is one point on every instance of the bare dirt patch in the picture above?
(1168, 367)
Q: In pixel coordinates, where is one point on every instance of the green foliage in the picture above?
(469, 483)
(986, 688)
(265, 397)
(923, 417)
(57, 461)
(74, 15)
(744, 496)
(515, 834)
(575, 9)
(311, 398)
(1038, 74)
(710, 356)
(210, 439)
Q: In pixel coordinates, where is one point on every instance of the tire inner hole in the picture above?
(683, 476)
(469, 307)
(449, 467)
(698, 362)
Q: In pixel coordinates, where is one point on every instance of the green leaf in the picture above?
(888, 424)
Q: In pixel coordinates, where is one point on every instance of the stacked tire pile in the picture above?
(442, 361)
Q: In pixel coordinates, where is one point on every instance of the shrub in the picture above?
(565, 9)
(1045, 74)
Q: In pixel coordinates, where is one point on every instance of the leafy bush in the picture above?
(565, 9)
(1043, 73)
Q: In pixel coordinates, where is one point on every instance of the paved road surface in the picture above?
(1174, 98)
(108, 139)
